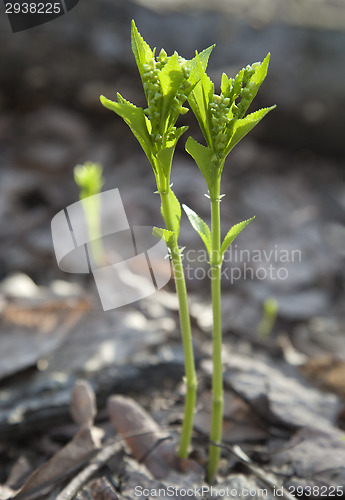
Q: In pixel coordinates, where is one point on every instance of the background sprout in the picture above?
(269, 317)
(89, 179)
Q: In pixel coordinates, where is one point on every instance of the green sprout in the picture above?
(223, 122)
(89, 179)
(167, 86)
(269, 317)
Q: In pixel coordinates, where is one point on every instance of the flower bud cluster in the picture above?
(183, 91)
(231, 105)
(152, 88)
(220, 108)
(244, 89)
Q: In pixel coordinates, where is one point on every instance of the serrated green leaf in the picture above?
(261, 71)
(165, 155)
(141, 50)
(199, 98)
(202, 155)
(175, 210)
(179, 131)
(200, 227)
(245, 125)
(234, 231)
(193, 64)
(171, 78)
(163, 234)
(257, 79)
(135, 119)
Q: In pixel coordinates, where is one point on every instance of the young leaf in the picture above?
(141, 50)
(164, 234)
(256, 80)
(224, 87)
(135, 119)
(203, 58)
(202, 156)
(199, 98)
(170, 77)
(175, 208)
(260, 74)
(245, 125)
(179, 131)
(164, 157)
(200, 227)
(234, 231)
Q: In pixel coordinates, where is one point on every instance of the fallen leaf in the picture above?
(328, 372)
(143, 436)
(279, 395)
(101, 490)
(33, 328)
(65, 461)
(239, 422)
(19, 472)
(315, 453)
(83, 403)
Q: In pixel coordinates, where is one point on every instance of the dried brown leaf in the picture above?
(32, 329)
(328, 372)
(316, 453)
(83, 403)
(20, 470)
(69, 458)
(147, 442)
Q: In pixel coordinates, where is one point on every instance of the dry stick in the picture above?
(38, 489)
(69, 492)
(255, 469)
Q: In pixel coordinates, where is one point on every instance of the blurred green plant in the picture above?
(223, 121)
(269, 317)
(89, 179)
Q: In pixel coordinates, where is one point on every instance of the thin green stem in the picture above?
(217, 375)
(92, 210)
(186, 332)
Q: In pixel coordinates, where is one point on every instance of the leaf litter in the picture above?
(269, 408)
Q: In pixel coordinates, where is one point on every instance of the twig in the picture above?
(69, 492)
(255, 469)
